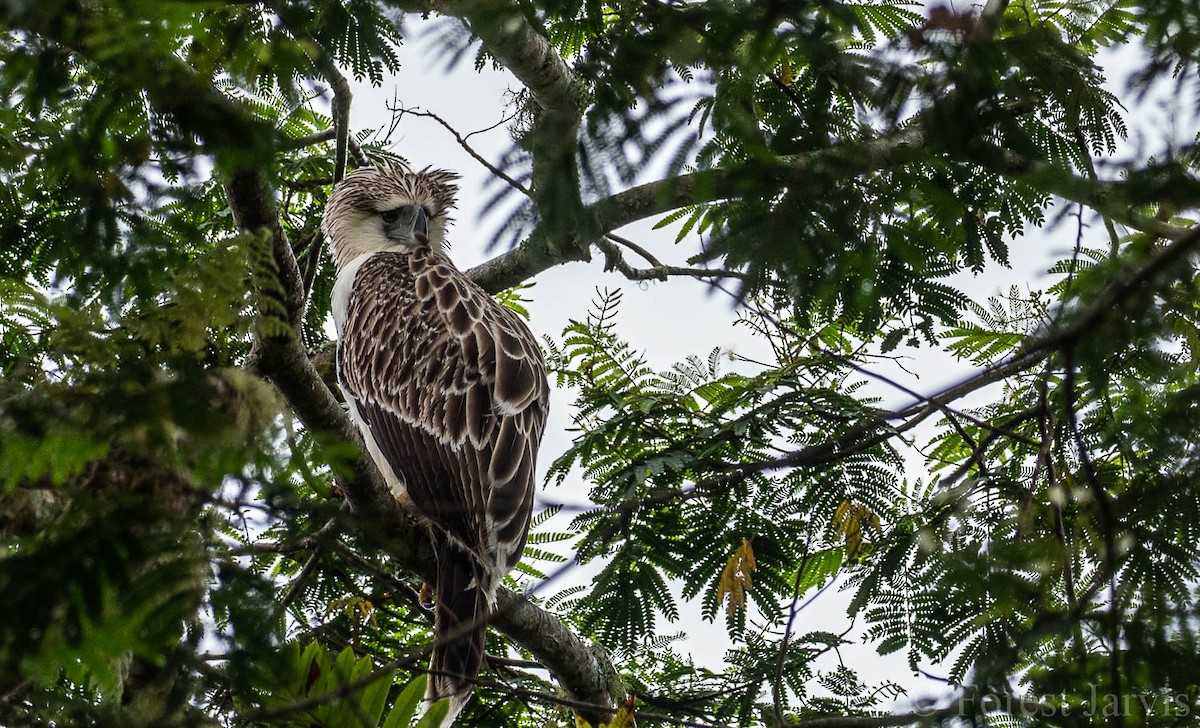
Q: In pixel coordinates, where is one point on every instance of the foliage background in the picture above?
(177, 548)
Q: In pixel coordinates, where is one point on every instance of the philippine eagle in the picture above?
(449, 390)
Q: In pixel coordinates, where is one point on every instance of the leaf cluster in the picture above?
(175, 549)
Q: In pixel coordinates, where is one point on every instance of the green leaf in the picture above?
(406, 703)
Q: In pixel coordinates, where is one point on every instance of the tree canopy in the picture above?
(190, 533)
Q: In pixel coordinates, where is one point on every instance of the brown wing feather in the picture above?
(454, 390)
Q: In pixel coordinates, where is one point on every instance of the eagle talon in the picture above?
(426, 597)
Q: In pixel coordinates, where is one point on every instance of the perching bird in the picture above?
(449, 390)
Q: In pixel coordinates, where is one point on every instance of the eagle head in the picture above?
(388, 207)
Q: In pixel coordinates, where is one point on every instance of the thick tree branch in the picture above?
(242, 146)
(583, 669)
(1113, 200)
(517, 265)
(654, 198)
(559, 100)
(508, 36)
(847, 160)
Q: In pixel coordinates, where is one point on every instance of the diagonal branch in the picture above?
(507, 35)
(242, 147)
(665, 195)
(848, 160)
(462, 142)
(1108, 302)
(559, 99)
(309, 140)
(1114, 200)
(615, 260)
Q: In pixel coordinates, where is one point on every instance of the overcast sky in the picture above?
(674, 319)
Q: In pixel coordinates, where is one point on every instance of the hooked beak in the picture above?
(421, 224)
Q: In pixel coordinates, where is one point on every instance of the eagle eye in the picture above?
(390, 216)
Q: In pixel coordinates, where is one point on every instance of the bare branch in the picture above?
(614, 260)
(565, 232)
(536, 254)
(462, 142)
(710, 185)
(1113, 200)
(626, 242)
(308, 140)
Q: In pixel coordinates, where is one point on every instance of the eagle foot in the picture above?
(426, 598)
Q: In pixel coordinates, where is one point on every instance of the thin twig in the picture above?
(614, 260)
(879, 430)
(777, 687)
(1108, 528)
(308, 140)
(298, 582)
(621, 240)
(462, 142)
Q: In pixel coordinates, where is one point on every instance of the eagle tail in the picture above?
(459, 626)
